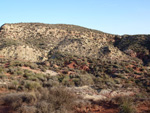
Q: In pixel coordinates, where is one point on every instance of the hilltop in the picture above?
(90, 68)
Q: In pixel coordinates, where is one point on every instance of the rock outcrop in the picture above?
(23, 52)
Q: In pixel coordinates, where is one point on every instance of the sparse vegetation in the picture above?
(70, 63)
(44, 100)
(127, 105)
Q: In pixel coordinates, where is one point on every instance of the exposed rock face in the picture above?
(21, 52)
(90, 94)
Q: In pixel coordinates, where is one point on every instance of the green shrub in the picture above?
(31, 85)
(33, 66)
(51, 83)
(1, 70)
(15, 83)
(16, 63)
(11, 86)
(40, 76)
(65, 80)
(33, 78)
(86, 79)
(20, 72)
(28, 74)
(126, 105)
(12, 70)
(76, 81)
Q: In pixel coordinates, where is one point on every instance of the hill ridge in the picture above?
(70, 39)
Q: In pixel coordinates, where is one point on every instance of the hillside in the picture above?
(41, 63)
(46, 38)
(136, 46)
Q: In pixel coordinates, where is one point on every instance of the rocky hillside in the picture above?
(60, 68)
(135, 46)
(24, 40)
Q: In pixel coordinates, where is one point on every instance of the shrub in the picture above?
(56, 99)
(13, 85)
(2, 76)
(40, 76)
(20, 72)
(15, 100)
(43, 100)
(1, 70)
(126, 105)
(65, 80)
(16, 63)
(33, 78)
(86, 79)
(31, 85)
(51, 83)
(28, 74)
(33, 66)
(43, 107)
(27, 109)
(60, 97)
(43, 68)
(11, 70)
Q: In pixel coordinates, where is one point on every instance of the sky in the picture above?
(110, 16)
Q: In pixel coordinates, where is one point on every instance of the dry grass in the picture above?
(54, 100)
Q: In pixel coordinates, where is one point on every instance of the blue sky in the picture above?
(111, 16)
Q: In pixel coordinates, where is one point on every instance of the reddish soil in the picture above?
(3, 90)
(111, 108)
(5, 109)
(2, 57)
(28, 68)
(56, 66)
(71, 72)
(137, 70)
(105, 108)
(73, 65)
(7, 74)
(143, 107)
(86, 68)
